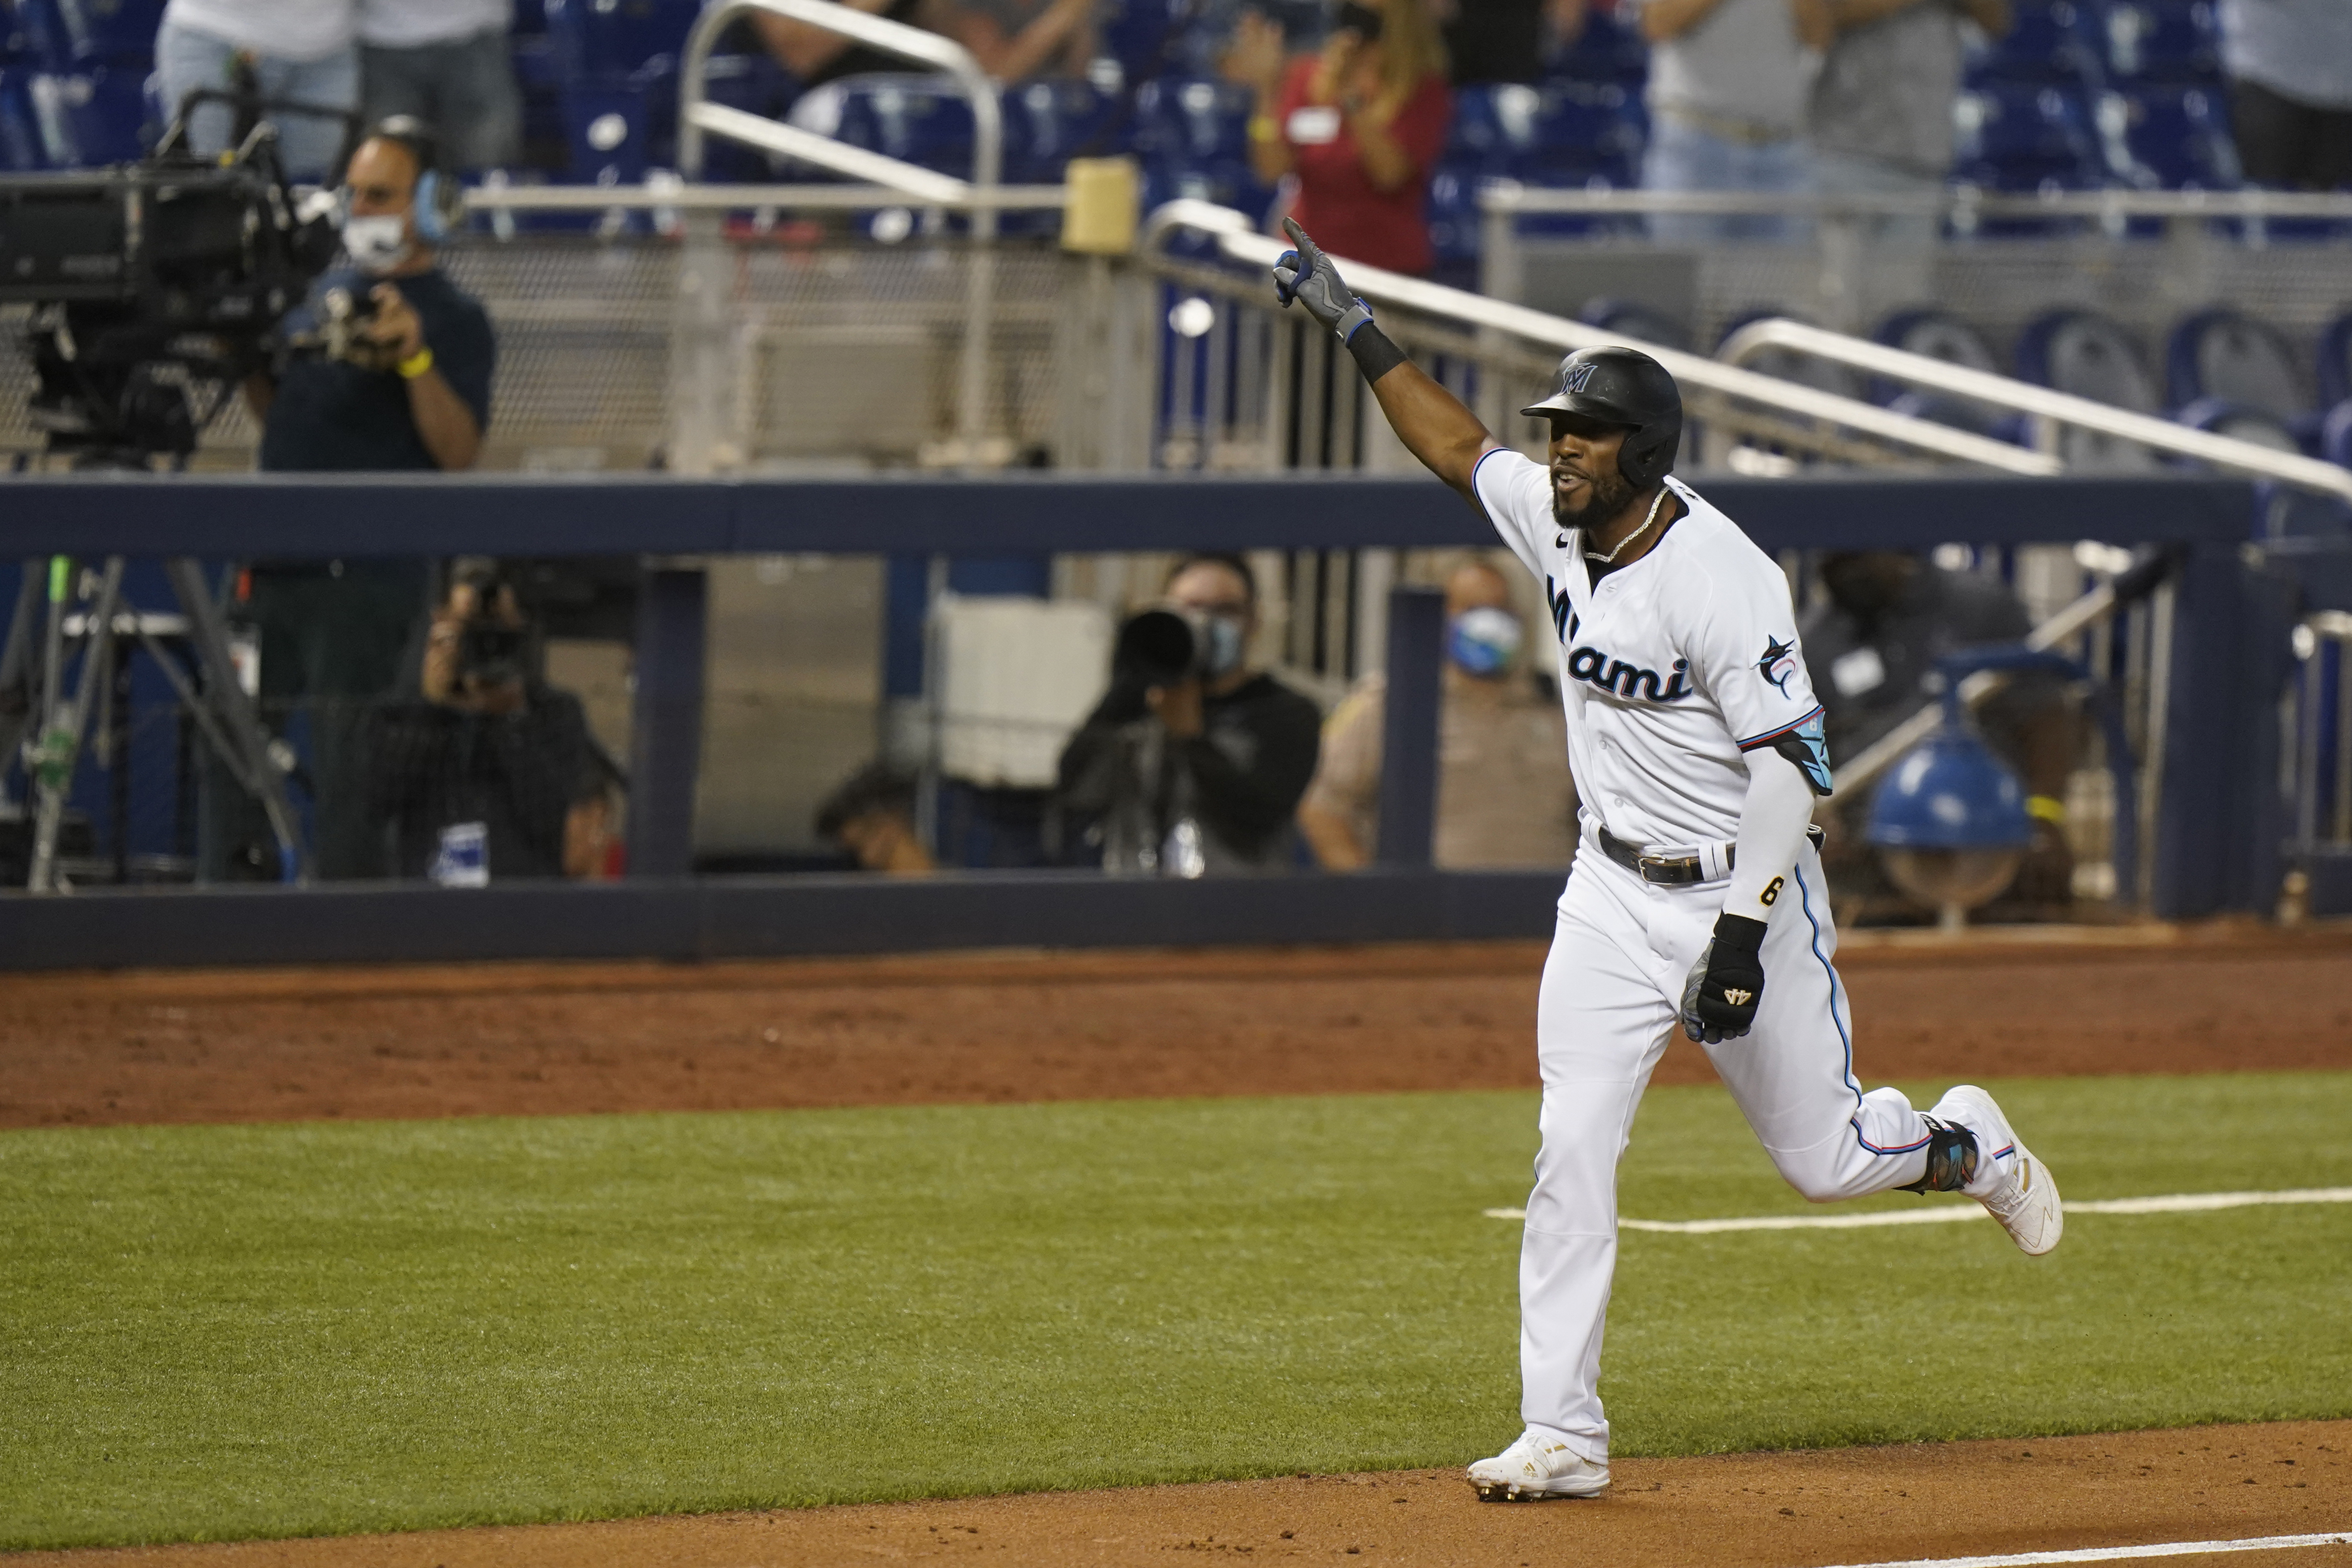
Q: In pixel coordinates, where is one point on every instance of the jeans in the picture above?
(1849, 174)
(1682, 157)
(463, 88)
(311, 145)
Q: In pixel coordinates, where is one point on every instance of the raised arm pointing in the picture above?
(1429, 420)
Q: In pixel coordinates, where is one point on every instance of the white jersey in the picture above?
(1671, 669)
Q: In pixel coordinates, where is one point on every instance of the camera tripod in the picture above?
(64, 609)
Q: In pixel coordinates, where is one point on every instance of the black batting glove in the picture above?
(1720, 996)
(1307, 276)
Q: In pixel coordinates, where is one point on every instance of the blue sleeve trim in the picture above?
(1772, 735)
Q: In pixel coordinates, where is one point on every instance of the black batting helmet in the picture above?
(1624, 387)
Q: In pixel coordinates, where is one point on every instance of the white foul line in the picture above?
(1946, 1212)
(2117, 1554)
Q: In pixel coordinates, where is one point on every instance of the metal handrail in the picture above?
(1510, 197)
(1238, 238)
(697, 115)
(2223, 451)
(685, 197)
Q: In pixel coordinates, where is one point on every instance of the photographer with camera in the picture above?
(1193, 762)
(484, 769)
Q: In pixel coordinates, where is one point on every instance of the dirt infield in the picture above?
(541, 1039)
(1768, 1511)
(499, 1039)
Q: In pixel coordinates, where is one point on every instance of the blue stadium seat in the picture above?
(2223, 417)
(915, 119)
(608, 130)
(90, 119)
(755, 84)
(1563, 133)
(1607, 50)
(2052, 43)
(1228, 182)
(67, 35)
(1643, 323)
(609, 39)
(1787, 364)
(1456, 232)
(20, 136)
(529, 19)
(15, 39)
(2336, 435)
(1193, 121)
(1142, 35)
(2163, 41)
(1937, 334)
(2025, 138)
(2168, 138)
(2226, 357)
(2090, 355)
(2335, 362)
(1048, 124)
(1960, 413)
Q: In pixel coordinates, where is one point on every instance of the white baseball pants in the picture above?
(1612, 990)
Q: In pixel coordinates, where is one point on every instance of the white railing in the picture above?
(659, 196)
(1236, 238)
(2061, 409)
(698, 117)
(1509, 198)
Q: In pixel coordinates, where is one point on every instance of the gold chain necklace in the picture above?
(1611, 559)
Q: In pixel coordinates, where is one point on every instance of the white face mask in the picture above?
(376, 244)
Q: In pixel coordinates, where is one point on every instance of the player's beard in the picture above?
(1609, 493)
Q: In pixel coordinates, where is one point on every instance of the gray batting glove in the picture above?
(1307, 276)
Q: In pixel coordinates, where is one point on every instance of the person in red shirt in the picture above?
(1361, 124)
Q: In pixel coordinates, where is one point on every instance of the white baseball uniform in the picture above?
(1673, 669)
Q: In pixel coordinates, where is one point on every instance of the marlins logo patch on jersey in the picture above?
(1778, 663)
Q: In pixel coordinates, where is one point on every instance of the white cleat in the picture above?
(1536, 1468)
(2023, 1194)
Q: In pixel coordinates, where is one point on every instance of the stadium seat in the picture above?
(755, 84)
(915, 119)
(2226, 357)
(1142, 35)
(2335, 362)
(1607, 50)
(1643, 323)
(1193, 122)
(2163, 41)
(1936, 335)
(1787, 364)
(90, 119)
(1457, 227)
(2336, 435)
(1564, 133)
(2051, 43)
(2089, 355)
(2026, 138)
(68, 34)
(2168, 138)
(20, 136)
(1048, 124)
(1958, 412)
(2238, 420)
(607, 40)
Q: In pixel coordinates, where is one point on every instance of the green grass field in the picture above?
(212, 1332)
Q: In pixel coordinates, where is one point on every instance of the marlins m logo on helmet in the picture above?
(1574, 377)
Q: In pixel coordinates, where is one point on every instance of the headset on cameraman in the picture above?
(440, 200)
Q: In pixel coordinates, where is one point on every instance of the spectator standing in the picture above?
(410, 391)
(2290, 64)
(445, 62)
(1504, 797)
(1359, 124)
(283, 51)
(1729, 80)
(1881, 117)
(1199, 774)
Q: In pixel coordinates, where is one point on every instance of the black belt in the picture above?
(1672, 870)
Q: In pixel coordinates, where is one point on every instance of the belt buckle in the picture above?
(1666, 866)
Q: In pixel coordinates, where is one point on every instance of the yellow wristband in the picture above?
(2049, 808)
(1264, 128)
(415, 364)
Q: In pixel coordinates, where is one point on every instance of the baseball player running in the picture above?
(1696, 896)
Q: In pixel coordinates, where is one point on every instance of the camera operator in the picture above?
(1195, 769)
(484, 769)
(404, 380)
(391, 371)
